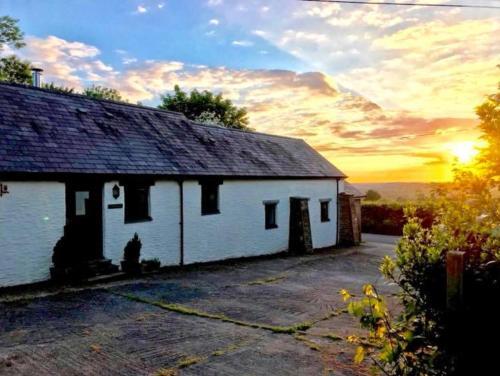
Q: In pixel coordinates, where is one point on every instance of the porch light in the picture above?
(116, 192)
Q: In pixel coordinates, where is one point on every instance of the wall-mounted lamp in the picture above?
(4, 189)
(116, 192)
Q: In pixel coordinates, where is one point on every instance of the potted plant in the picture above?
(150, 265)
(131, 255)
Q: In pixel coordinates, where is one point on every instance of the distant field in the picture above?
(397, 191)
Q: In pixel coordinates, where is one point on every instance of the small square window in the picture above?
(81, 202)
(325, 211)
(270, 212)
(210, 198)
(136, 203)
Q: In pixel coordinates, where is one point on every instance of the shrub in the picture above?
(131, 255)
(372, 195)
(425, 339)
(389, 219)
(150, 265)
(132, 251)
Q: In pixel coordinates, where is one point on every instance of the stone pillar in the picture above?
(349, 220)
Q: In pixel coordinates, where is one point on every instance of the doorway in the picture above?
(300, 239)
(84, 219)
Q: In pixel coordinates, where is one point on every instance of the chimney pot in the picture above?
(36, 76)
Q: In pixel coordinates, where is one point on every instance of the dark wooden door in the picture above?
(84, 219)
(300, 239)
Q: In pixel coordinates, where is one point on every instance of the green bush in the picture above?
(425, 339)
(389, 219)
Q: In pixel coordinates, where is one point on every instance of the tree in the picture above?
(10, 34)
(101, 92)
(372, 195)
(489, 115)
(206, 107)
(13, 69)
(426, 337)
(59, 89)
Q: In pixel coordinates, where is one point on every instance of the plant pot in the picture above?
(131, 267)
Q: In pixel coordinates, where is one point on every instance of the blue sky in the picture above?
(188, 31)
(386, 93)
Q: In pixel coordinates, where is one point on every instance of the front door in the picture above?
(84, 219)
(299, 240)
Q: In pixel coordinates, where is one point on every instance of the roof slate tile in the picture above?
(47, 132)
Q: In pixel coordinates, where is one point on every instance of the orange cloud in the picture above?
(359, 136)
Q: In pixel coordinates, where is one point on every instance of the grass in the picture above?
(333, 337)
(267, 280)
(189, 361)
(312, 345)
(227, 349)
(167, 372)
(178, 308)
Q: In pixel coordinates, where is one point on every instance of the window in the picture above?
(136, 203)
(81, 200)
(209, 198)
(325, 210)
(270, 213)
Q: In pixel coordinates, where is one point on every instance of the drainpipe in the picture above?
(338, 214)
(181, 220)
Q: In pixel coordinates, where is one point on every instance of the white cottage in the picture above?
(193, 193)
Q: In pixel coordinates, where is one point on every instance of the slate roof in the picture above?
(352, 190)
(46, 132)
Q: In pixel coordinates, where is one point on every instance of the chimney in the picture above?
(36, 77)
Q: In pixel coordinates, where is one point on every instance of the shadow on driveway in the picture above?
(279, 316)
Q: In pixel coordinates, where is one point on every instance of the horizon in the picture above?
(347, 96)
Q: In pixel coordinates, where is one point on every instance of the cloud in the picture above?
(242, 43)
(129, 60)
(161, 5)
(66, 62)
(141, 9)
(214, 21)
(436, 68)
(214, 3)
(431, 62)
(353, 132)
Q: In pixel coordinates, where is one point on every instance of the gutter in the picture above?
(181, 220)
(338, 214)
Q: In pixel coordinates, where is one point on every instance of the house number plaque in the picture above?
(3, 189)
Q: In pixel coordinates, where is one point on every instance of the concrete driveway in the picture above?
(280, 316)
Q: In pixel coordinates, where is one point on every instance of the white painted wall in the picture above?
(160, 237)
(341, 185)
(32, 218)
(239, 229)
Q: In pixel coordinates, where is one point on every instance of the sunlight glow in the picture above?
(464, 151)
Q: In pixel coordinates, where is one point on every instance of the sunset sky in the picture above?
(385, 93)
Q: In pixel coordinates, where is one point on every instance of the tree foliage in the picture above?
(10, 33)
(372, 195)
(489, 115)
(15, 70)
(101, 92)
(206, 107)
(59, 89)
(424, 339)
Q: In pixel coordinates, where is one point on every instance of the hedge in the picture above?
(388, 219)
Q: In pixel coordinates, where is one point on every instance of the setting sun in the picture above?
(464, 151)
